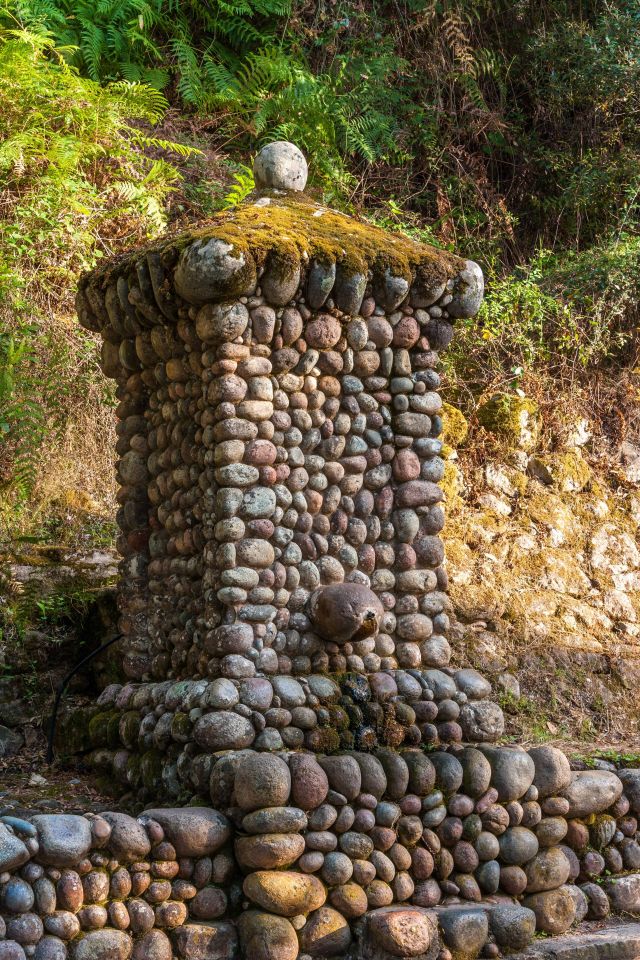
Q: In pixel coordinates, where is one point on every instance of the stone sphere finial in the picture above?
(280, 166)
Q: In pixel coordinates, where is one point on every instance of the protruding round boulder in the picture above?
(309, 782)
(476, 772)
(468, 291)
(285, 892)
(264, 936)
(555, 910)
(448, 771)
(548, 870)
(214, 269)
(262, 780)
(221, 322)
(401, 931)
(325, 934)
(553, 773)
(373, 777)
(512, 926)
(592, 791)
(193, 831)
(280, 166)
(512, 769)
(518, 845)
(344, 775)
(344, 612)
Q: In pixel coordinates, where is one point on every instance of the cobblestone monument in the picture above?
(284, 611)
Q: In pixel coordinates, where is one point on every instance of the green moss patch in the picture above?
(289, 229)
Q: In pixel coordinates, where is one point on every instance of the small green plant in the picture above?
(243, 184)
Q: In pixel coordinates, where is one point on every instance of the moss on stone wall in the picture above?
(293, 228)
(511, 416)
(455, 428)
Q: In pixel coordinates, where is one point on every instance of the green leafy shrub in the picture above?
(152, 41)
(75, 179)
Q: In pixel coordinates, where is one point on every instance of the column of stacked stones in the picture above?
(284, 611)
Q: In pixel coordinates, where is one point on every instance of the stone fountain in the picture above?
(314, 777)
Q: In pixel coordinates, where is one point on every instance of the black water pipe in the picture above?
(62, 686)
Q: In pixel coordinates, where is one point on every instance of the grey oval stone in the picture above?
(280, 166)
(103, 945)
(64, 838)
(214, 270)
(193, 831)
(468, 291)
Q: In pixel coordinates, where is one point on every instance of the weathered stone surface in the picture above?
(518, 845)
(476, 772)
(221, 322)
(280, 166)
(103, 945)
(468, 291)
(275, 820)
(580, 900)
(264, 936)
(513, 771)
(555, 910)
(343, 774)
(52, 948)
(547, 870)
(325, 934)
(309, 782)
(214, 270)
(269, 851)
(10, 950)
(552, 770)
(464, 929)
(591, 791)
(482, 721)
(154, 945)
(286, 892)
(422, 774)
(448, 771)
(193, 831)
(206, 941)
(399, 931)
(262, 781)
(64, 839)
(598, 906)
(512, 926)
(17, 895)
(13, 852)
(128, 840)
(624, 894)
(223, 731)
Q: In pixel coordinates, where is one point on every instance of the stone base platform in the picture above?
(615, 940)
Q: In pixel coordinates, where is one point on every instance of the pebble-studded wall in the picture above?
(284, 611)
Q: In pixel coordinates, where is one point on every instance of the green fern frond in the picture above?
(241, 188)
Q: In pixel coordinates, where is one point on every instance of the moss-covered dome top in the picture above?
(287, 236)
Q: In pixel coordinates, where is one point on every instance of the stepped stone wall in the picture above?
(284, 611)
